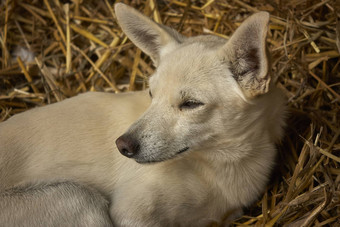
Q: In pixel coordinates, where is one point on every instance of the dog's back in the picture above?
(73, 139)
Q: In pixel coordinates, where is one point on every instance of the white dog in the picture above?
(208, 128)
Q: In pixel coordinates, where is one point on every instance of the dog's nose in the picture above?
(127, 145)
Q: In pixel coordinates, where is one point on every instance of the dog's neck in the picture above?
(237, 172)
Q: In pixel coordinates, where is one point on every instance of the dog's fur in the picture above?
(209, 130)
(53, 204)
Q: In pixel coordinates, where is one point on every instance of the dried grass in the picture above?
(79, 47)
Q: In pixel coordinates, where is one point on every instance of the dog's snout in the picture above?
(127, 145)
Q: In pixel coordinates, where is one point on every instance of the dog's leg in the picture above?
(54, 204)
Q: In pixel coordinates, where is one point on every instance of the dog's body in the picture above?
(54, 204)
(212, 100)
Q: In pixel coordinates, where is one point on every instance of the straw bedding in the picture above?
(55, 49)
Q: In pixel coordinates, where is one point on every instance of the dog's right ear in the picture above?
(152, 38)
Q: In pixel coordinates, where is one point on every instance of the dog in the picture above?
(199, 144)
(54, 204)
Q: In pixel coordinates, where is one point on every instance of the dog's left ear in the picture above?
(246, 56)
(152, 38)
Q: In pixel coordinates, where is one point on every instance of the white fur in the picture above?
(230, 137)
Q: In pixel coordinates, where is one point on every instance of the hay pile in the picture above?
(55, 49)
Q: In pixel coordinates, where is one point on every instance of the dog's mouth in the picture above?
(143, 161)
(183, 150)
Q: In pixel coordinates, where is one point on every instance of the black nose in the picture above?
(127, 145)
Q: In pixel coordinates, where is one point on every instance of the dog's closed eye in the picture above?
(190, 104)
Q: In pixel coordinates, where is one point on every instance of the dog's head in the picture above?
(200, 89)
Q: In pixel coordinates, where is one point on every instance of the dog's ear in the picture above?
(152, 38)
(246, 55)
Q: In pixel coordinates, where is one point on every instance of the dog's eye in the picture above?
(150, 94)
(190, 104)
